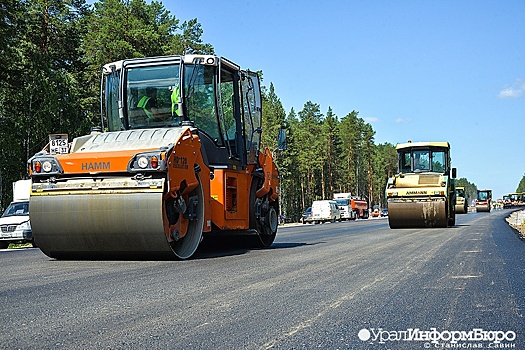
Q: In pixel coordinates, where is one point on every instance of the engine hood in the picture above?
(14, 220)
(127, 140)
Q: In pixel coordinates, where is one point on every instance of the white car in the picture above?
(14, 225)
(325, 210)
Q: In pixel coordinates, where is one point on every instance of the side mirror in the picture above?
(454, 173)
(281, 140)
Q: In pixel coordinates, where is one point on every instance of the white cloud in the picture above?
(371, 119)
(516, 90)
(403, 120)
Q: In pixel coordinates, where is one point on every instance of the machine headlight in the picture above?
(42, 164)
(47, 166)
(143, 162)
(152, 161)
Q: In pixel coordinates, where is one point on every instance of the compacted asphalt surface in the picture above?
(343, 285)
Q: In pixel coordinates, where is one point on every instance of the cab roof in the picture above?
(423, 144)
(188, 59)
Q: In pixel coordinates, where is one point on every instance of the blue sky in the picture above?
(415, 70)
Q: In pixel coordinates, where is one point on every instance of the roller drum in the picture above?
(91, 226)
(409, 213)
(461, 209)
(482, 208)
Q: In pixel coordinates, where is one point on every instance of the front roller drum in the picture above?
(482, 208)
(414, 213)
(90, 226)
(461, 209)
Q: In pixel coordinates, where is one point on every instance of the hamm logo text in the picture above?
(96, 166)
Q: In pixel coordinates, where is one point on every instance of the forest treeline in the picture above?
(52, 53)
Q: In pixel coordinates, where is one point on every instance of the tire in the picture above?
(265, 232)
(185, 247)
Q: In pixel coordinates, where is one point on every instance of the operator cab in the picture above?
(208, 93)
(424, 158)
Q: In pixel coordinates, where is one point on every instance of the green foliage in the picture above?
(521, 185)
(326, 155)
(40, 92)
(52, 54)
(470, 188)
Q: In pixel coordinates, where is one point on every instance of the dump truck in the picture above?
(422, 193)
(360, 207)
(178, 158)
(483, 200)
(461, 200)
(14, 223)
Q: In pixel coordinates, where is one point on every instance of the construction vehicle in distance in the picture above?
(513, 200)
(483, 201)
(507, 203)
(422, 193)
(165, 176)
(461, 201)
(518, 199)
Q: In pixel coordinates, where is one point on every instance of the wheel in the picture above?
(187, 245)
(452, 216)
(266, 224)
(4, 244)
(269, 228)
(452, 221)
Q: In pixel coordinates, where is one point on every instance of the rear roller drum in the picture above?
(415, 214)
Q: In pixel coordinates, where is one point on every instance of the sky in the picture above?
(415, 70)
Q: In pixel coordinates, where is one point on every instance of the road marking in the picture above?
(466, 276)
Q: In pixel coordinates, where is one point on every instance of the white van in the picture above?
(325, 210)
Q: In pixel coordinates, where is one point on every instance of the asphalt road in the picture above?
(349, 285)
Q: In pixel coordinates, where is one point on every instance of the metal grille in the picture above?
(8, 228)
(429, 179)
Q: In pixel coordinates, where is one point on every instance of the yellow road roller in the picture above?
(178, 158)
(461, 200)
(422, 193)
